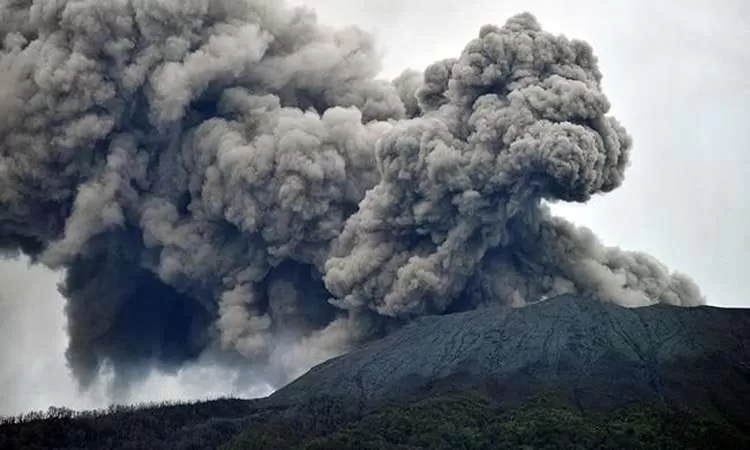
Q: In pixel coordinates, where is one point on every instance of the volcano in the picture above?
(565, 372)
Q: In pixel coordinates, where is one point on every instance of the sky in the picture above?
(675, 73)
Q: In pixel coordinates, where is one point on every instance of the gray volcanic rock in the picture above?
(602, 354)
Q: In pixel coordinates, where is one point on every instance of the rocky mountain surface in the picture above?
(600, 354)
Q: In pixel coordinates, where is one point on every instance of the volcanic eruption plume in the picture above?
(230, 176)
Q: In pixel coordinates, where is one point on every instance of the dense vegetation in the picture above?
(455, 419)
(165, 426)
(468, 419)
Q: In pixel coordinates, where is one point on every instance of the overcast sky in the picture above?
(676, 75)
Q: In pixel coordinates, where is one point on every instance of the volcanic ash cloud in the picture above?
(229, 177)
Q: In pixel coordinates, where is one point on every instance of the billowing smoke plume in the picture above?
(229, 176)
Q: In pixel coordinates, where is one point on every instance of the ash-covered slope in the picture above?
(601, 354)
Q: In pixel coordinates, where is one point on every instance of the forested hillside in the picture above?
(440, 418)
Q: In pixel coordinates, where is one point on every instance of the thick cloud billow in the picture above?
(229, 177)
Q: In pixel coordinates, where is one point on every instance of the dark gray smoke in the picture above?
(229, 176)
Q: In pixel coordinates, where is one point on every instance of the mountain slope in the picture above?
(601, 354)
